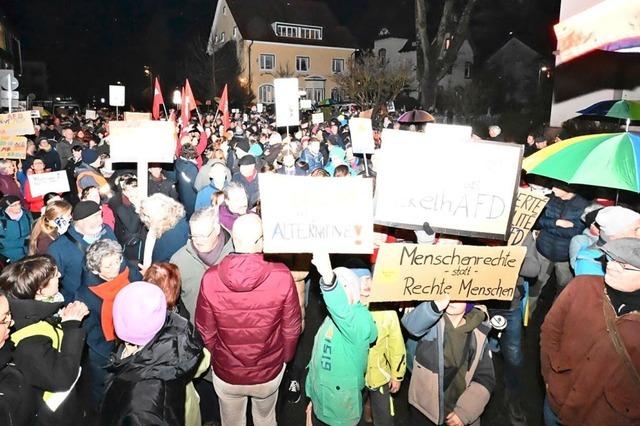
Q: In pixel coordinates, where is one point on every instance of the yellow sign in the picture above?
(137, 116)
(16, 124)
(13, 147)
(406, 272)
(528, 207)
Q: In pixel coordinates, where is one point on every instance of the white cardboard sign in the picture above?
(300, 220)
(448, 132)
(148, 141)
(43, 183)
(91, 114)
(116, 95)
(286, 100)
(317, 118)
(361, 135)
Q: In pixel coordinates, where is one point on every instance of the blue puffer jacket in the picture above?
(14, 235)
(553, 241)
(170, 242)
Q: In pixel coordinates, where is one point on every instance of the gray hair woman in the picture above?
(164, 217)
(104, 258)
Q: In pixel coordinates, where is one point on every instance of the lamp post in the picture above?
(543, 69)
(177, 98)
(149, 73)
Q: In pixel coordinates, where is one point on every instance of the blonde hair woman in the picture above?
(54, 222)
(167, 227)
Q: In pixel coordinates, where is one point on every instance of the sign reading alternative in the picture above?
(13, 147)
(137, 116)
(148, 141)
(43, 183)
(297, 217)
(286, 100)
(458, 191)
(430, 272)
(448, 132)
(15, 124)
(361, 135)
(528, 207)
(116, 95)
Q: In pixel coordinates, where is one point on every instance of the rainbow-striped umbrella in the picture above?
(610, 160)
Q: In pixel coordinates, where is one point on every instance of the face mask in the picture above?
(62, 224)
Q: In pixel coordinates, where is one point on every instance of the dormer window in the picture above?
(297, 31)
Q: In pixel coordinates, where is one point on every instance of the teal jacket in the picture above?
(339, 357)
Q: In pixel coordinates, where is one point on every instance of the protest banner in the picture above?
(91, 114)
(448, 132)
(528, 206)
(43, 183)
(461, 192)
(116, 95)
(406, 272)
(13, 147)
(361, 135)
(137, 116)
(317, 118)
(286, 101)
(297, 216)
(16, 124)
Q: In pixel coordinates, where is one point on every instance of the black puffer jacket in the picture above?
(16, 408)
(148, 387)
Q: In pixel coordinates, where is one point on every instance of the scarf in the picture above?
(211, 257)
(14, 217)
(107, 292)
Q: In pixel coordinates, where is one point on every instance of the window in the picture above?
(337, 95)
(224, 10)
(467, 70)
(235, 32)
(217, 38)
(302, 63)
(267, 62)
(337, 66)
(298, 31)
(222, 37)
(265, 93)
(382, 55)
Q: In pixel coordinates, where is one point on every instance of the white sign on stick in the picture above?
(361, 135)
(91, 114)
(35, 113)
(448, 132)
(317, 118)
(299, 220)
(461, 192)
(116, 95)
(148, 141)
(259, 108)
(305, 104)
(43, 183)
(286, 100)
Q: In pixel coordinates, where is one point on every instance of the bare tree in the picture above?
(435, 56)
(198, 68)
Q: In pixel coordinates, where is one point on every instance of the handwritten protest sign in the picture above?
(116, 95)
(16, 124)
(91, 114)
(131, 141)
(297, 217)
(317, 118)
(35, 113)
(13, 147)
(528, 207)
(43, 183)
(461, 192)
(431, 272)
(361, 135)
(286, 100)
(448, 132)
(137, 116)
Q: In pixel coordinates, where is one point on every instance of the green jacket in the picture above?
(339, 357)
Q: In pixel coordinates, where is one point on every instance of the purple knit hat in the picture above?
(139, 312)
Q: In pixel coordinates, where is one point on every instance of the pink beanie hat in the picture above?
(139, 312)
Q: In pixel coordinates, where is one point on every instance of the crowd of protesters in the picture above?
(122, 308)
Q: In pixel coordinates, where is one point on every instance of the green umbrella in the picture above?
(610, 160)
(623, 109)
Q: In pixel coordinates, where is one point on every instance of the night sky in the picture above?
(88, 44)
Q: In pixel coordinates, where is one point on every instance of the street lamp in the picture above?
(543, 69)
(177, 97)
(148, 73)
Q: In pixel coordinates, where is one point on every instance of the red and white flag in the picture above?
(223, 107)
(157, 100)
(188, 103)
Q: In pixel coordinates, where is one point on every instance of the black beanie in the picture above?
(84, 209)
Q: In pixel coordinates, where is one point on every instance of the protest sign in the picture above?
(43, 183)
(137, 116)
(286, 101)
(259, 108)
(133, 141)
(317, 118)
(361, 135)
(16, 124)
(448, 132)
(303, 214)
(528, 207)
(91, 114)
(461, 192)
(430, 272)
(13, 147)
(116, 95)
(305, 104)
(35, 113)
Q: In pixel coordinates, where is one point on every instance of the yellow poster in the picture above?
(13, 147)
(528, 207)
(16, 124)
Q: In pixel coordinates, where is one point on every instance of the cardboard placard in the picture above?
(16, 124)
(116, 95)
(305, 104)
(462, 192)
(148, 141)
(448, 132)
(13, 147)
(137, 116)
(317, 118)
(35, 113)
(528, 206)
(298, 218)
(259, 108)
(91, 114)
(406, 272)
(286, 100)
(43, 183)
(361, 135)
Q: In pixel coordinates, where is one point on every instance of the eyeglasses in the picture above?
(7, 319)
(201, 237)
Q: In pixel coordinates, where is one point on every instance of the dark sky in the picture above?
(88, 44)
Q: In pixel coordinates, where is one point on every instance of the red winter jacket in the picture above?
(249, 317)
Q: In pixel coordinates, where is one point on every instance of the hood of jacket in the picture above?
(28, 311)
(174, 353)
(243, 272)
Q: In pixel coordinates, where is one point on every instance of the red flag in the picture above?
(188, 103)
(223, 106)
(157, 101)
